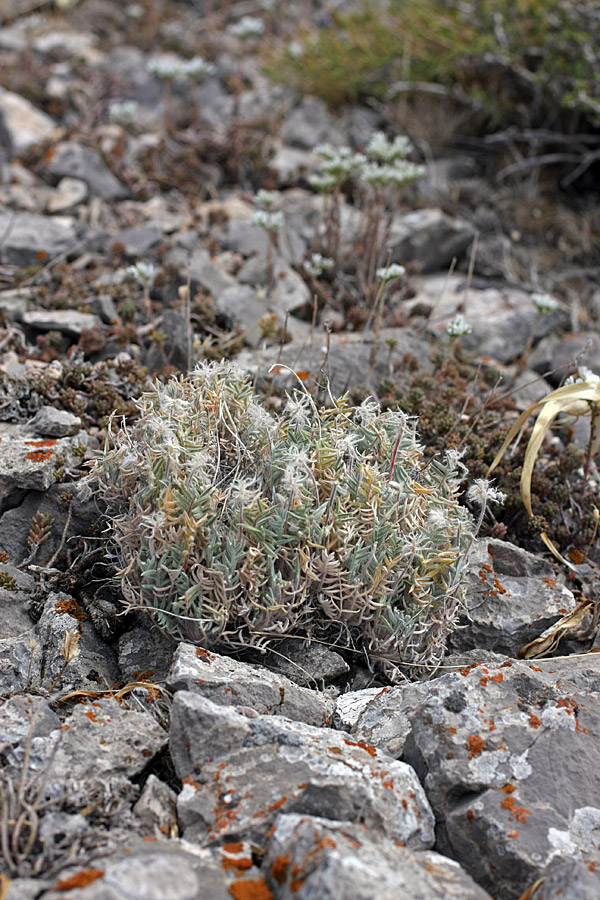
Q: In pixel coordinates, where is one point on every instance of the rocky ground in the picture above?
(136, 768)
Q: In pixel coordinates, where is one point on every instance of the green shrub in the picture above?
(234, 528)
(525, 61)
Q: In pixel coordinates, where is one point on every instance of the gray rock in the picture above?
(350, 706)
(145, 654)
(30, 463)
(26, 124)
(104, 307)
(240, 771)
(308, 664)
(174, 350)
(510, 598)
(28, 238)
(231, 683)
(96, 665)
(24, 717)
(75, 43)
(120, 741)
(242, 236)
(16, 522)
(16, 654)
(138, 241)
(14, 620)
(67, 321)
(507, 757)
(202, 268)
(76, 161)
(13, 303)
(290, 163)
(52, 422)
(570, 880)
(502, 319)
(346, 363)
(310, 123)
(385, 718)
(26, 888)
(245, 306)
(156, 808)
(69, 192)
(165, 870)
(309, 858)
(429, 238)
(575, 350)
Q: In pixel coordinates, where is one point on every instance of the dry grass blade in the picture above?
(578, 399)
(552, 636)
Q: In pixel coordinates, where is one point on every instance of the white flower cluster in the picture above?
(387, 151)
(544, 302)
(266, 199)
(382, 165)
(268, 221)
(458, 326)
(481, 492)
(391, 272)
(317, 264)
(338, 162)
(142, 272)
(167, 66)
(247, 27)
(398, 174)
(122, 112)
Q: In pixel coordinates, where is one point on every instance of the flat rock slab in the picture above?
(26, 124)
(311, 858)
(512, 596)
(308, 664)
(240, 772)
(162, 871)
(30, 463)
(345, 359)
(29, 239)
(502, 319)
(231, 683)
(508, 755)
(429, 238)
(67, 321)
(77, 161)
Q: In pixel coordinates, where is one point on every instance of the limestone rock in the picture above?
(233, 683)
(240, 771)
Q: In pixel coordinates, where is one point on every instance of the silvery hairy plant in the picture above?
(234, 528)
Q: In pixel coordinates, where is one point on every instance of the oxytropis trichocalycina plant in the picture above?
(234, 528)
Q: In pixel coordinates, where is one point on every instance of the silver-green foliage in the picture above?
(234, 528)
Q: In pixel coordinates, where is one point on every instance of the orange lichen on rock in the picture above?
(250, 889)
(79, 880)
(279, 868)
(372, 751)
(517, 812)
(236, 862)
(475, 745)
(72, 608)
(38, 455)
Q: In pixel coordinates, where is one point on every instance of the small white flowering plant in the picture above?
(247, 27)
(234, 528)
(379, 175)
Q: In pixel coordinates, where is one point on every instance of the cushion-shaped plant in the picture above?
(234, 528)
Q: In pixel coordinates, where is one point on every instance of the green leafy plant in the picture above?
(525, 63)
(234, 528)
